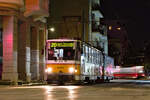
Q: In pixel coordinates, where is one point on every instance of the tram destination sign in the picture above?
(60, 44)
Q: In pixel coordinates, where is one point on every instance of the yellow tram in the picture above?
(69, 60)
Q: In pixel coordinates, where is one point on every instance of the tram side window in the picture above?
(87, 54)
(99, 58)
(84, 52)
(90, 55)
(96, 57)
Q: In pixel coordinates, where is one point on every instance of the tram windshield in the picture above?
(61, 51)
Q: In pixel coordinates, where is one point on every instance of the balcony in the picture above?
(11, 4)
(99, 29)
(97, 14)
(99, 41)
(95, 7)
(96, 26)
(95, 3)
(102, 29)
(36, 8)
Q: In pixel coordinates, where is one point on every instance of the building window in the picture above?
(110, 27)
(118, 28)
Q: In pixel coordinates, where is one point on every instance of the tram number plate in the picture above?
(60, 67)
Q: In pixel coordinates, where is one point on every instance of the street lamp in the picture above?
(52, 29)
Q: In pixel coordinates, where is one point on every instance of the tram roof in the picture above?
(51, 40)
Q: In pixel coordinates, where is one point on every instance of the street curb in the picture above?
(21, 83)
(5, 83)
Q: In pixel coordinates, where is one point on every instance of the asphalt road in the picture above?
(115, 90)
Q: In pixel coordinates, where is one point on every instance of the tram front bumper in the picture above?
(60, 77)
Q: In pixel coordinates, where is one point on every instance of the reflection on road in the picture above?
(115, 90)
(63, 92)
(131, 81)
(49, 92)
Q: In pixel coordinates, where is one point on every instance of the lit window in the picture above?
(110, 27)
(119, 28)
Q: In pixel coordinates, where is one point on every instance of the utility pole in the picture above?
(83, 26)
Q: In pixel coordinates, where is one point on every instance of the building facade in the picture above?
(118, 42)
(78, 19)
(22, 39)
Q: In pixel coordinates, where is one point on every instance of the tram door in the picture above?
(1, 48)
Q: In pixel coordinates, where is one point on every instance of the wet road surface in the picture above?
(105, 91)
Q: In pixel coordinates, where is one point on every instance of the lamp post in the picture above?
(50, 30)
(83, 26)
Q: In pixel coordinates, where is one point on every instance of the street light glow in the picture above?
(52, 29)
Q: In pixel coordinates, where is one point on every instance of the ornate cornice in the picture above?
(11, 4)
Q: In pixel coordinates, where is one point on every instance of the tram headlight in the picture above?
(71, 70)
(48, 70)
(76, 70)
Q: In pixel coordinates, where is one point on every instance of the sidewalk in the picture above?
(21, 83)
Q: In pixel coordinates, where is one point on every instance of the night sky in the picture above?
(137, 14)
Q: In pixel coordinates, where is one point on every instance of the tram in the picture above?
(69, 60)
(133, 72)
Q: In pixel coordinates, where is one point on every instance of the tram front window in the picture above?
(66, 53)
